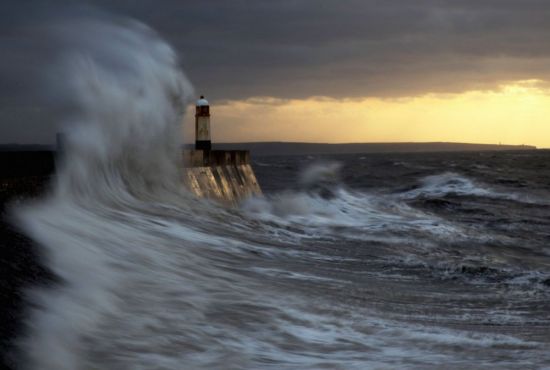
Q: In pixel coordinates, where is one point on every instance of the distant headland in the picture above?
(290, 148)
(296, 148)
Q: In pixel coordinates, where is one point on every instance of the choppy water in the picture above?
(437, 269)
(355, 262)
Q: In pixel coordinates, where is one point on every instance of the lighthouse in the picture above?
(202, 125)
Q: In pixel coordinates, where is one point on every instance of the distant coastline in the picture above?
(290, 148)
(296, 148)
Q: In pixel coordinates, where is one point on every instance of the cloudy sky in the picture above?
(320, 71)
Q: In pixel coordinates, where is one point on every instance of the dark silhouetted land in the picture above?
(286, 148)
(290, 148)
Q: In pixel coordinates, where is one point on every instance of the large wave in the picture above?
(455, 184)
(121, 152)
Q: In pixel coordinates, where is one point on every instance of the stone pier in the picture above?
(225, 176)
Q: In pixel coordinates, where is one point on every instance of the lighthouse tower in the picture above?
(202, 125)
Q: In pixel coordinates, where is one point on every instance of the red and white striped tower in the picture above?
(202, 125)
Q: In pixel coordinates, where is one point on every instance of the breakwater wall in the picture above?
(24, 174)
(222, 175)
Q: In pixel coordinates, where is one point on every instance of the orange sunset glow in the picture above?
(515, 113)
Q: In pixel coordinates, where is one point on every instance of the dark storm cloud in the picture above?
(30, 49)
(340, 48)
(235, 49)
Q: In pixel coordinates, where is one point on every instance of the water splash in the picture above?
(123, 147)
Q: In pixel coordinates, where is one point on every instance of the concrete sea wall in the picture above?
(223, 176)
(24, 174)
(220, 175)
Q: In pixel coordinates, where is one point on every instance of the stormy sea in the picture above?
(364, 261)
(435, 260)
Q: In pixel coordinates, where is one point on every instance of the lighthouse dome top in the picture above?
(202, 102)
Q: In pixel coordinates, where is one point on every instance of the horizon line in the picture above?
(324, 143)
(371, 142)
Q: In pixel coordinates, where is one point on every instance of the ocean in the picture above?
(422, 261)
